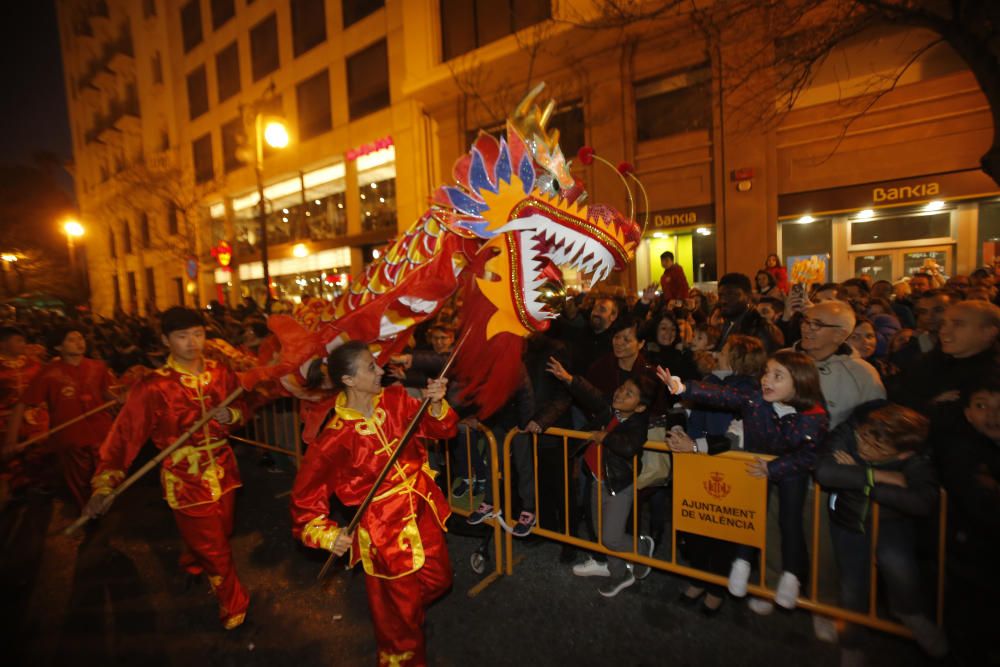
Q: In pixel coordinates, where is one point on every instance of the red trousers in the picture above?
(398, 605)
(78, 463)
(205, 530)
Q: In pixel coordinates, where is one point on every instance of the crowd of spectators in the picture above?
(908, 402)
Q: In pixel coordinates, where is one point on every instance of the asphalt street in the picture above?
(114, 596)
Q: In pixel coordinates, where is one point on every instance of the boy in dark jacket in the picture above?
(874, 458)
(619, 432)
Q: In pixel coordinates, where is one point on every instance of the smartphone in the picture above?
(799, 289)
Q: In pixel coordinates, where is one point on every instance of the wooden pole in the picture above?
(55, 429)
(155, 461)
(411, 429)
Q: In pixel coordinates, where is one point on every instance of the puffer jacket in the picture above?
(847, 381)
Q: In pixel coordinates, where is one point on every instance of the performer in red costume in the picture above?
(199, 478)
(17, 370)
(68, 387)
(400, 540)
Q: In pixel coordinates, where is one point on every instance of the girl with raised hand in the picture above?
(784, 418)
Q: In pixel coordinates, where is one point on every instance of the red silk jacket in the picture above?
(69, 391)
(347, 457)
(162, 406)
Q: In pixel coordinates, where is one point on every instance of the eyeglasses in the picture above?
(816, 325)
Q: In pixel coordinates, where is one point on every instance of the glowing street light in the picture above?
(8, 257)
(73, 228)
(276, 134)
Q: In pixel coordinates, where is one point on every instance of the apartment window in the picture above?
(133, 291)
(197, 89)
(116, 285)
(144, 235)
(368, 80)
(201, 152)
(313, 97)
(148, 8)
(308, 25)
(222, 11)
(150, 288)
(191, 24)
(674, 104)
(127, 237)
(355, 10)
(157, 67)
(468, 24)
(112, 249)
(173, 226)
(227, 71)
(179, 291)
(264, 48)
(568, 118)
(233, 137)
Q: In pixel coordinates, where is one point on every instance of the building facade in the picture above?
(381, 98)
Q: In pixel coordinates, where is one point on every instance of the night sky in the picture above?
(33, 114)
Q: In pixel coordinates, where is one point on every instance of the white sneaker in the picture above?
(788, 591)
(928, 636)
(760, 606)
(591, 568)
(739, 575)
(825, 629)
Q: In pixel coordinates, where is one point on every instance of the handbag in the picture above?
(656, 466)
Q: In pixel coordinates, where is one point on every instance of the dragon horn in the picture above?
(525, 104)
(549, 108)
(645, 200)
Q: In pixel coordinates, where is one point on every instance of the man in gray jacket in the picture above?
(845, 378)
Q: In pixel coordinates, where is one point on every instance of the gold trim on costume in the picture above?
(408, 540)
(395, 659)
(234, 621)
(320, 533)
(106, 481)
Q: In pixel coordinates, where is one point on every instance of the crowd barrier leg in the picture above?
(494, 481)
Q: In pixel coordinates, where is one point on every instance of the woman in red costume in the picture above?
(400, 540)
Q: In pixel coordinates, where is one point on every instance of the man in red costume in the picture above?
(673, 282)
(400, 540)
(68, 387)
(17, 370)
(198, 478)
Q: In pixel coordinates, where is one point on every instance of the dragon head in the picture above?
(517, 196)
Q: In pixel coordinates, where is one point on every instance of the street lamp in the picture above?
(272, 131)
(74, 230)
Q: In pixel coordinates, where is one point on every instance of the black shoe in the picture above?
(689, 601)
(709, 611)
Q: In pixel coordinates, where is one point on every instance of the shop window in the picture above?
(806, 249)
(127, 237)
(703, 262)
(264, 57)
(150, 288)
(222, 11)
(308, 25)
(233, 138)
(201, 152)
(355, 10)
(904, 228)
(368, 80)
(988, 246)
(191, 24)
(173, 226)
(313, 96)
(144, 235)
(112, 249)
(148, 8)
(197, 91)
(227, 71)
(469, 24)
(674, 104)
(378, 204)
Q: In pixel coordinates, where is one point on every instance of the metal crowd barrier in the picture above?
(811, 603)
(275, 427)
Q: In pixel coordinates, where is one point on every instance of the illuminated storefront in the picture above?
(688, 233)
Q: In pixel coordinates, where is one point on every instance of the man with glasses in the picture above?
(845, 378)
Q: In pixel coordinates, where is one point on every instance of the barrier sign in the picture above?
(715, 497)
